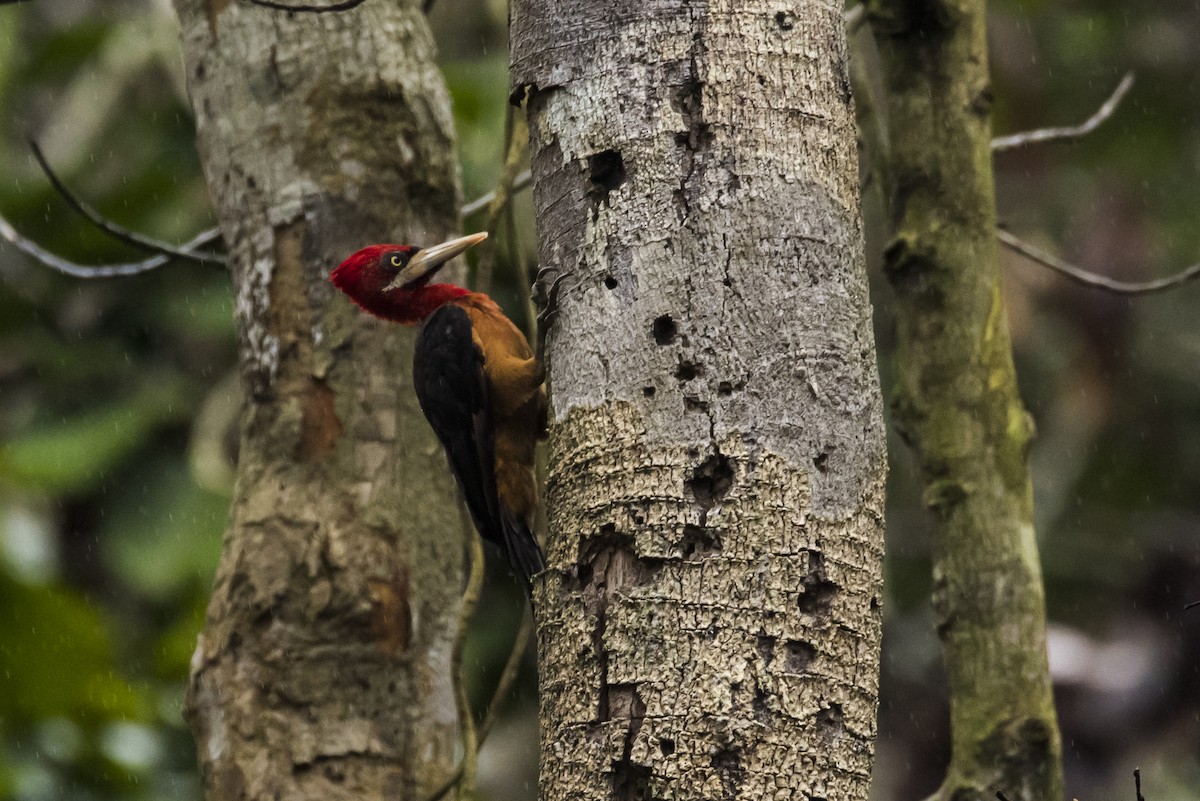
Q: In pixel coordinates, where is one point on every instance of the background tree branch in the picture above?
(956, 401)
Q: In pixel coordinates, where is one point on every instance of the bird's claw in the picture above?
(545, 297)
(547, 303)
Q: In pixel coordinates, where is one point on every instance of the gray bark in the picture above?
(323, 670)
(709, 623)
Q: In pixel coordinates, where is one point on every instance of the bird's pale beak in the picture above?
(427, 261)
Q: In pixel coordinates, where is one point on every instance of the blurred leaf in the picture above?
(57, 656)
(206, 311)
(479, 90)
(73, 455)
(173, 655)
(165, 533)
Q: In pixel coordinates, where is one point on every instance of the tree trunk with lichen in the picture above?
(324, 668)
(957, 402)
(709, 622)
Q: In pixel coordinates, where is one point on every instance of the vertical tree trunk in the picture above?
(709, 624)
(957, 402)
(323, 670)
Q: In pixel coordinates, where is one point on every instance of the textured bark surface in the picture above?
(709, 623)
(323, 671)
(957, 402)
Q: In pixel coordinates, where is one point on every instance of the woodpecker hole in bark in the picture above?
(798, 656)
(766, 649)
(689, 102)
(606, 171)
(698, 541)
(762, 710)
(711, 480)
(728, 765)
(688, 370)
(819, 591)
(664, 330)
(785, 20)
(831, 722)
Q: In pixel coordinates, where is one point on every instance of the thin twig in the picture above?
(111, 228)
(466, 721)
(201, 240)
(45, 257)
(1192, 605)
(509, 675)
(503, 687)
(345, 5)
(1092, 279)
(1002, 143)
(480, 203)
(1137, 784)
(485, 266)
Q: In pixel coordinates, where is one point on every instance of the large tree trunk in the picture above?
(957, 402)
(323, 671)
(709, 623)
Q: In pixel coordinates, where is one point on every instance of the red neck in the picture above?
(409, 306)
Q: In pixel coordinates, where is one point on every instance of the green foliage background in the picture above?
(118, 402)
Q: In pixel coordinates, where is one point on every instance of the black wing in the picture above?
(454, 393)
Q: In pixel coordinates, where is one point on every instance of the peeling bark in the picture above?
(709, 623)
(957, 403)
(324, 668)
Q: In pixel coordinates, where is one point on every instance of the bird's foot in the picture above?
(545, 296)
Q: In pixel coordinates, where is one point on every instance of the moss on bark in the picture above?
(956, 402)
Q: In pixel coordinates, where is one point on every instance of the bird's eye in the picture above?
(397, 260)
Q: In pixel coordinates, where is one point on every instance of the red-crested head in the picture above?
(392, 281)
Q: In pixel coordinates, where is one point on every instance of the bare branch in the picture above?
(45, 257)
(1002, 143)
(467, 770)
(1082, 276)
(1192, 605)
(1137, 785)
(166, 252)
(345, 5)
(1053, 262)
(108, 226)
(480, 203)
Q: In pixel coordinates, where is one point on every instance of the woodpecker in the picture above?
(477, 381)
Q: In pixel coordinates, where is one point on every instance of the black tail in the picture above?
(523, 552)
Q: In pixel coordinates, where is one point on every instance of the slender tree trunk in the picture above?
(323, 671)
(709, 624)
(957, 402)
